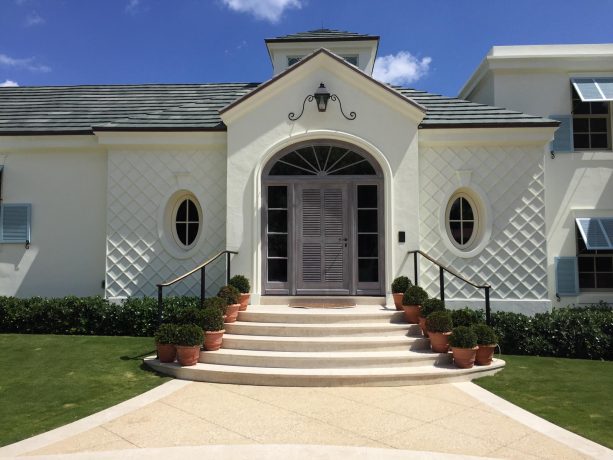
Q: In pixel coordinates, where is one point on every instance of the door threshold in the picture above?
(293, 299)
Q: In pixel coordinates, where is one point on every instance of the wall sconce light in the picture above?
(321, 98)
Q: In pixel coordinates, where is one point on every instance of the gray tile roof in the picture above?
(322, 35)
(184, 107)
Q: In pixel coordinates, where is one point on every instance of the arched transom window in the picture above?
(322, 160)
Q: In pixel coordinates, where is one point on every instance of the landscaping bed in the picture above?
(47, 381)
(575, 394)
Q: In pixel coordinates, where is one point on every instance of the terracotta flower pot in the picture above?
(244, 300)
(213, 339)
(188, 356)
(398, 300)
(166, 352)
(232, 313)
(485, 354)
(422, 325)
(464, 358)
(439, 341)
(411, 313)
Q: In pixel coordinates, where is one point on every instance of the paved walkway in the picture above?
(276, 422)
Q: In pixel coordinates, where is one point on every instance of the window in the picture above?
(595, 252)
(186, 221)
(291, 60)
(462, 220)
(591, 120)
(322, 160)
(353, 60)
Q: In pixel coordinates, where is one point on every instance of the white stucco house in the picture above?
(321, 178)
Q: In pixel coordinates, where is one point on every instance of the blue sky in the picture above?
(433, 45)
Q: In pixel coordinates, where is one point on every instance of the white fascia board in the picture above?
(474, 80)
(537, 136)
(153, 138)
(345, 72)
(46, 142)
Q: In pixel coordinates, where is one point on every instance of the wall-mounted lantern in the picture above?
(321, 98)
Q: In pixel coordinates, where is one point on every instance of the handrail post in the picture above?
(227, 268)
(160, 287)
(441, 281)
(488, 315)
(202, 285)
(415, 267)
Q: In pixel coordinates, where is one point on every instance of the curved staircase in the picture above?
(360, 346)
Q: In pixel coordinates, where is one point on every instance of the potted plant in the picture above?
(188, 341)
(399, 287)
(428, 307)
(231, 296)
(212, 323)
(412, 300)
(487, 342)
(466, 317)
(463, 342)
(241, 283)
(439, 325)
(165, 338)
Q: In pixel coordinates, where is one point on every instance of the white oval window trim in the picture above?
(167, 229)
(481, 207)
(474, 236)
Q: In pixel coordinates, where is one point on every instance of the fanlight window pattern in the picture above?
(322, 160)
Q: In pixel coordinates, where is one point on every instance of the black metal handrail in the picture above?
(202, 269)
(442, 269)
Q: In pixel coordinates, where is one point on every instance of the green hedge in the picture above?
(564, 333)
(88, 315)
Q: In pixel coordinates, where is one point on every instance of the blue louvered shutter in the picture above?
(597, 232)
(563, 137)
(15, 220)
(567, 276)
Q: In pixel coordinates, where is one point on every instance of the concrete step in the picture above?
(321, 330)
(319, 344)
(323, 360)
(384, 376)
(289, 315)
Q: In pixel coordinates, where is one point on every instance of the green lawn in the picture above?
(49, 380)
(575, 394)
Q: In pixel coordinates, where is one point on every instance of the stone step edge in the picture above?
(391, 326)
(408, 354)
(323, 339)
(415, 371)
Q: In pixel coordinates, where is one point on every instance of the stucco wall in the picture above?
(67, 190)
(141, 181)
(510, 182)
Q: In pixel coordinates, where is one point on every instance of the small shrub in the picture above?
(401, 284)
(485, 334)
(466, 317)
(430, 306)
(216, 302)
(463, 337)
(166, 333)
(241, 283)
(414, 295)
(189, 315)
(212, 319)
(189, 335)
(439, 321)
(230, 294)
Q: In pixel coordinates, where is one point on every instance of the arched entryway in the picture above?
(322, 222)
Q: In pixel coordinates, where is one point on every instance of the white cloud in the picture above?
(132, 5)
(23, 63)
(8, 83)
(401, 68)
(34, 19)
(269, 10)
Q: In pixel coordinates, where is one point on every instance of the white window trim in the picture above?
(483, 209)
(166, 231)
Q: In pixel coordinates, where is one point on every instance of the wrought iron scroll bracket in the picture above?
(352, 115)
(292, 116)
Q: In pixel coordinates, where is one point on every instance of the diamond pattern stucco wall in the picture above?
(514, 260)
(139, 186)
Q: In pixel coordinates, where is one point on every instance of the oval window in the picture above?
(186, 222)
(462, 220)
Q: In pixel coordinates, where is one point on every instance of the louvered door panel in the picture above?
(311, 213)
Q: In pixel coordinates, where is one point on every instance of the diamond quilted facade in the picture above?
(514, 259)
(139, 186)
